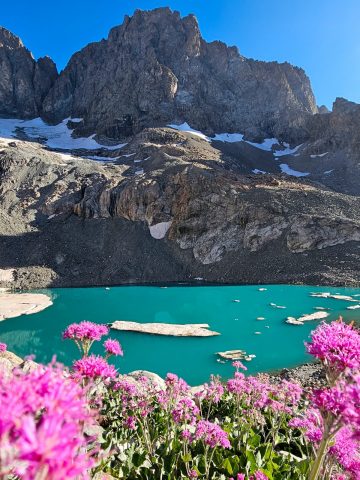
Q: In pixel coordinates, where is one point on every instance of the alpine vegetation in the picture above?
(92, 422)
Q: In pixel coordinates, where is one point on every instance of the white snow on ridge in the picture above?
(319, 155)
(185, 127)
(289, 171)
(266, 144)
(55, 136)
(287, 151)
(228, 137)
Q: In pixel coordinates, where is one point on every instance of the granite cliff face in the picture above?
(156, 69)
(24, 82)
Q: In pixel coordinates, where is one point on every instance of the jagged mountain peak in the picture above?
(156, 69)
(9, 40)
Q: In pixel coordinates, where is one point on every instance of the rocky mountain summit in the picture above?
(274, 199)
(156, 68)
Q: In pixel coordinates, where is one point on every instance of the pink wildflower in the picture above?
(337, 345)
(211, 434)
(3, 347)
(311, 424)
(113, 347)
(259, 476)
(346, 451)
(185, 411)
(48, 442)
(94, 367)
(85, 331)
(238, 365)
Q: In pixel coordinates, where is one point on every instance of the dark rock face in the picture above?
(23, 82)
(155, 68)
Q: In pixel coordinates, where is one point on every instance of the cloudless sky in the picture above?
(322, 36)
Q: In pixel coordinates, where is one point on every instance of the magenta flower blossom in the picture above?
(259, 476)
(85, 331)
(94, 367)
(3, 347)
(346, 450)
(311, 424)
(238, 365)
(337, 345)
(211, 434)
(48, 442)
(185, 411)
(113, 347)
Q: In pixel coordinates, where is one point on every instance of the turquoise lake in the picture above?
(279, 345)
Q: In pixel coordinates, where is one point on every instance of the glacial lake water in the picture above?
(277, 346)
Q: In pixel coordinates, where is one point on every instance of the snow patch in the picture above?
(266, 144)
(328, 172)
(185, 127)
(228, 137)
(159, 230)
(139, 172)
(289, 171)
(256, 170)
(101, 159)
(55, 136)
(287, 151)
(319, 155)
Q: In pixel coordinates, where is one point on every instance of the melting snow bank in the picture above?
(159, 230)
(268, 144)
(185, 127)
(16, 304)
(53, 136)
(174, 330)
(289, 171)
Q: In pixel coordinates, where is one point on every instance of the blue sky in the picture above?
(322, 36)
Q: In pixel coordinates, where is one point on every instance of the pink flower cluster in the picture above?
(94, 367)
(3, 347)
(85, 331)
(113, 347)
(211, 434)
(41, 426)
(185, 412)
(337, 345)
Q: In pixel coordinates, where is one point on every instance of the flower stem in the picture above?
(319, 460)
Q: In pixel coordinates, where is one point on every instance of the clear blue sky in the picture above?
(322, 36)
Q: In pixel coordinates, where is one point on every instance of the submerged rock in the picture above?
(232, 354)
(176, 330)
(16, 304)
(306, 318)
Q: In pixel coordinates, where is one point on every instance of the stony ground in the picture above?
(169, 207)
